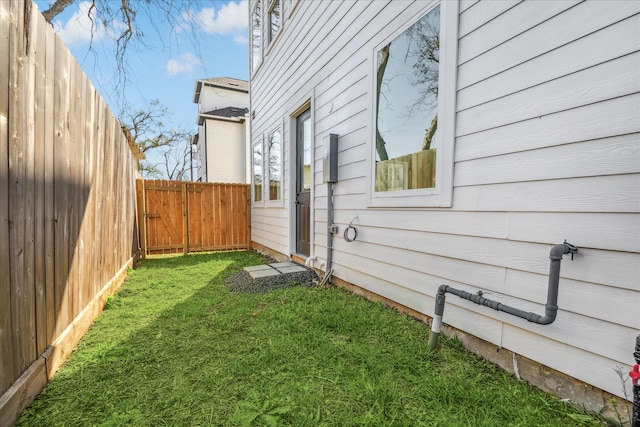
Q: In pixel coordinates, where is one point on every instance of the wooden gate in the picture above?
(183, 217)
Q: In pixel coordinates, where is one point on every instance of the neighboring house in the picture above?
(536, 141)
(223, 130)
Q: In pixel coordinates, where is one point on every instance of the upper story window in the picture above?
(413, 132)
(257, 172)
(256, 36)
(275, 165)
(275, 22)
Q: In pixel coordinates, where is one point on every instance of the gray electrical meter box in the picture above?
(330, 158)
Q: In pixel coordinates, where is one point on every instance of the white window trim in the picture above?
(442, 194)
(279, 202)
(288, 7)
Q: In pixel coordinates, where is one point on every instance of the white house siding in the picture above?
(226, 151)
(213, 98)
(547, 148)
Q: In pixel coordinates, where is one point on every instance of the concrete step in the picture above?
(265, 278)
(268, 270)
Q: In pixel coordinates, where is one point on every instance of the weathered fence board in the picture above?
(416, 170)
(182, 217)
(49, 173)
(67, 204)
(39, 58)
(6, 347)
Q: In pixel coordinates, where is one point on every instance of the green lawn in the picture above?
(176, 348)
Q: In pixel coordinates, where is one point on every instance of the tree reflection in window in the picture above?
(275, 165)
(274, 19)
(257, 173)
(407, 107)
(256, 36)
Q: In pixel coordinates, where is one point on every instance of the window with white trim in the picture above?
(413, 118)
(274, 144)
(258, 174)
(275, 21)
(256, 36)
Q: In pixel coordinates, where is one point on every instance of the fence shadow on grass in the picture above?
(157, 353)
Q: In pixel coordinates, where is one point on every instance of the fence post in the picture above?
(185, 219)
(141, 217)
(247, 189)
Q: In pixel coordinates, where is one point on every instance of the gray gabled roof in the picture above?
(228, 112)
(223, 113)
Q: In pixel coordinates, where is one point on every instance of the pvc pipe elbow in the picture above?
(557, 251)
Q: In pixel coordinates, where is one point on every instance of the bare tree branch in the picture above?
(173, 145)
(55, 9)
(382, 66)
(430, 133)
(121, 21)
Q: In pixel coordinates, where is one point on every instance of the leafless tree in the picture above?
(176, 160)
(168, 150)
(256, 36)
(122, 17)
(382, 66)
(424, 48)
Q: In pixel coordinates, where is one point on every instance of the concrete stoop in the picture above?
(268, 277)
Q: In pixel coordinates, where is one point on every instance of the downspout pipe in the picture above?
(551, 306)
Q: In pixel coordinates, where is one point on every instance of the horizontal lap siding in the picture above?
(612, 79)
(547, 149)
(299, 59)
(549, 136)
(542, 38)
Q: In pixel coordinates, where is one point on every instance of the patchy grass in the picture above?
(175, 347)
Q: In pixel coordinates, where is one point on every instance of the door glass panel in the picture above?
(303, 184)
(306, 154)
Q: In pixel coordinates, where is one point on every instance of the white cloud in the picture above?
(232, 18)
(183, 64)
(82, 27)
(241, 39)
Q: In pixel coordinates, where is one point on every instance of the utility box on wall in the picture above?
(330, 158)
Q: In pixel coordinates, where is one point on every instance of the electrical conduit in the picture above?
(331, 228)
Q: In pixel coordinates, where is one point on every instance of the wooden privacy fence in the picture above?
(416, 170)
(68, 229)
(183, 217)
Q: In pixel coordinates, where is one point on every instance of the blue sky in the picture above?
(172, 59)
